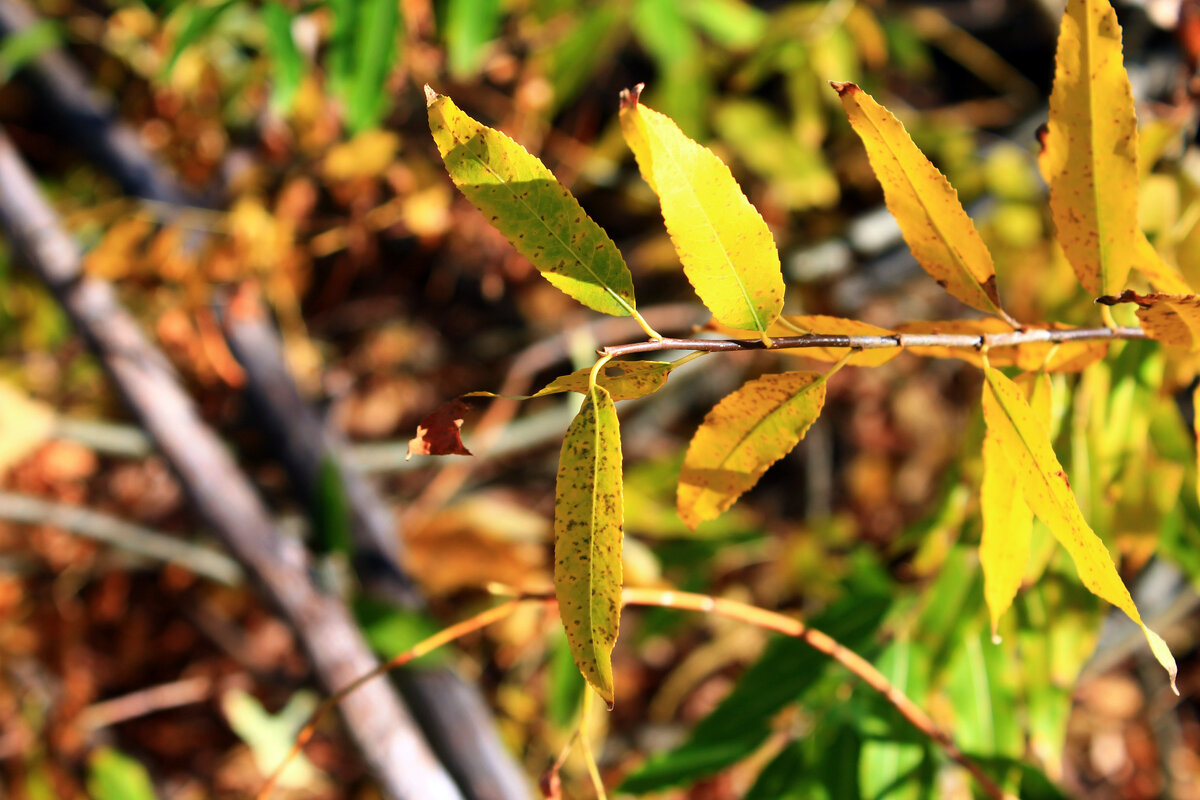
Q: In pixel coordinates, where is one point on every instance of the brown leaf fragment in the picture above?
(1173, 319)
(439, 434)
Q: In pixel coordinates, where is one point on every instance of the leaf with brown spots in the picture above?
(588, 520)
(1089, 155)
(1022, 438)
(941, 236)
(624, 380)
(439, 434)
(1173, 319)
(525, 202)
(724, 244)
(742, 436)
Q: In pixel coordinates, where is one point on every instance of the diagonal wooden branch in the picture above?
(895, 340)
(380, 725)
(688, 601)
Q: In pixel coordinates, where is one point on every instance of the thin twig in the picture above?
(895, 340)
(145, 701)
(689, 601)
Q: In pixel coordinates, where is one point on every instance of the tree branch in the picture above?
(380, 725)
(894, 340)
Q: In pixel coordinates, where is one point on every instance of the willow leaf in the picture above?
(941, 236)
(537, 214)
(1044, 485)
(588, 518)
(725, 247)
(742, 436)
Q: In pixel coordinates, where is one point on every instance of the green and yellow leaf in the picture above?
(1090, 150)
(588, 519)
(724, 244)
(624, 380)
(1173, 319)
(742, 436)
(1021, 437)
(1163, 276)
(532, 209)
(941, 236)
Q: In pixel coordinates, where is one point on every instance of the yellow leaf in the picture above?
(588, 518)
(1090, 149)
(742, 436)
(1041, 479)
(1004, 546)
(1162, 275)
(24, 425)
(726, 249)
(1030, 356)
(1196, 431)
(624, 380)
(938, 231)
(1173, 319)
(793, 324)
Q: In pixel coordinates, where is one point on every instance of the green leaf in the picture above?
(725, 246)
(982, 694)
(470, 25)
(683, 84)
(784, 778)
(20, 47)
(391, 631)
(588, 517)
(566, 685)
(742, 436)
(624, 380)
(570, 61)
(287, 65)
(890, 765)
(116, 776)
(543, 220)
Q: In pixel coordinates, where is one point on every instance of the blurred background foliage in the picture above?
(298, 130)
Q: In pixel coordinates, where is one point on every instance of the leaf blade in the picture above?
(1090, 153)
(525, 202)
(743, 435)
(725, 246)
(588, 517)
(941, 236)
(1044, 485)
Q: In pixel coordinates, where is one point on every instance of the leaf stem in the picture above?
(645, 326)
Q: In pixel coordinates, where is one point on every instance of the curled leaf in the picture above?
(440, 432)
(532, 209)
(743, 435)
(1173, 319)
(941, 236)
(588, 520)
(726, 249)
(1039, 475)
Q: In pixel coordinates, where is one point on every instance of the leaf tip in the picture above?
(843, 87)
(630, 97)
(430, 95)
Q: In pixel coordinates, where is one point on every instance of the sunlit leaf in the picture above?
(742, 436)
(377, 44)
(116, 776)
(892, 754)
(1004, 546)
(1089, 158)
(726, 249)
(588, 519)
(624, 380)
(538, 215)
(1173, 319)
(287, 65)
(1044, 484)
(941, 236)
(1163, 276)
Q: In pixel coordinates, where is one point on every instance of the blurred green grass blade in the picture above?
(566, 683)
(377, 48)
(19, 48)
(115, 776)
(682, 87)
(733, 24)
(342, 45)
(890, 765)
(470, 25)
(391, 631)
(785, 673)
(198, 20)
(287, 64)
(571, 61)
